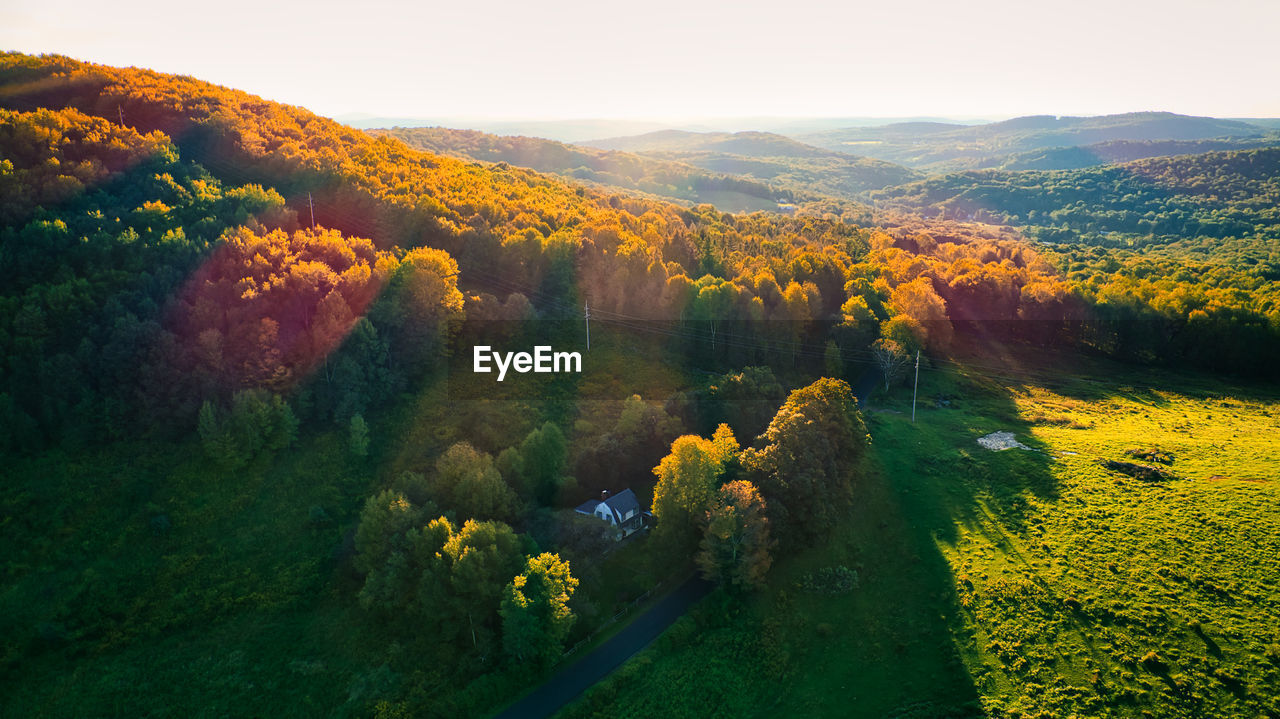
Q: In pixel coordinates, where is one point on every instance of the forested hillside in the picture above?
(1219, 205)
(619, 171)
(88, 198)
(507, 229)
(1105, 153)
(1187, 241)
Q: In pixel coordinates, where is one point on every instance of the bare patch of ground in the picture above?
(1000, 441)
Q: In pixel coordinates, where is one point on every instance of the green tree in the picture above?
(467, 481)
(746, 400)
(832, 360)
(736, 545)
(625, 454)
(436, 574)
(358, 436)
(214, 437)
(535, 610)
(543, 452)
(261, 420)
(510, 464)
(382, 544)
(687, 479)
(908, 333)
(858, 325)
(712, 305)
(421, 308)
(811, 449)
(481, 557)
(725, 444)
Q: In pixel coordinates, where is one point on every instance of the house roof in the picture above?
(619, 504)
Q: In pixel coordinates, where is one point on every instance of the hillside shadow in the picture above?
(895, 650)
(926, 484)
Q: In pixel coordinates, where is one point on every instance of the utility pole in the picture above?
(313, 210)
(915, 388)
(120, 111)
(586, 313)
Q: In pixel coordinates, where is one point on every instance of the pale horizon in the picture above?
(680, 61)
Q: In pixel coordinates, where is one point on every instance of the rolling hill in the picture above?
(767, 157)
(940, 147)
(1217, 206)
(620, 171)
(1105, 153)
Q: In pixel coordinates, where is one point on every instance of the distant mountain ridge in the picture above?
(751, 143)
(587, 129)
(1104, 128)
(937, 147)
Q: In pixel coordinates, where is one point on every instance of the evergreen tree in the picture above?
(358, 436)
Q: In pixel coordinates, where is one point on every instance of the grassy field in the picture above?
(1031, 583)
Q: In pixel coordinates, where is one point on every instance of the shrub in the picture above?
(1273, 653)
(1144, 472)
(830, 580)
(1154, 663)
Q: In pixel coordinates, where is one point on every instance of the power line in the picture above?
(915, 388)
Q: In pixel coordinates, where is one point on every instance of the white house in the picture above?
(621, 510)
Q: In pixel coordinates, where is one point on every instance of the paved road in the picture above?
(595, 665)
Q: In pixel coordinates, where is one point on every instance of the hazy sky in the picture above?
(691, 58)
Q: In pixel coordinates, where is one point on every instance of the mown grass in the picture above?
(1016, 583)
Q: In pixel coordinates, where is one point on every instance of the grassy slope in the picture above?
(1019, 583)
(229, 605)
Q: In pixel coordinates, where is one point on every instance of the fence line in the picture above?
(613, 620)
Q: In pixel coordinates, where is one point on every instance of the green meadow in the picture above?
(1018, 583)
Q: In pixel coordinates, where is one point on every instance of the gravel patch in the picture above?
(1000, 441)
